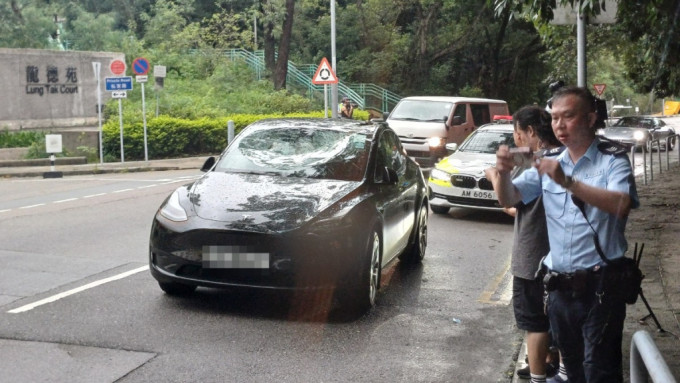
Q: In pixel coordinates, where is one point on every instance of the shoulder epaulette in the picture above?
(614, 148)
(550, 152)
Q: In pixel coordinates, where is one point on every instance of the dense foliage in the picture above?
(451, 47)
(19, 139)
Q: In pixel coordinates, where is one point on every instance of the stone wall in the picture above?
(43, 89)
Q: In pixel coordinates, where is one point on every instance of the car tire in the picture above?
(415, 252)
(670, 144)
(439, 209)
(176, 289)
(360, 295)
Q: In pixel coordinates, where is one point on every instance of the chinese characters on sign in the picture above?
(53, 85)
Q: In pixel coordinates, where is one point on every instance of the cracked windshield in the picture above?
(299, 152)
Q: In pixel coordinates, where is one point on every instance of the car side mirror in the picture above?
(385, 115)
(389, 176)
(452, 147)
(208, 164)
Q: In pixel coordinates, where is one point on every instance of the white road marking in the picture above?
(94, 195)
(165, 181)
(65, 294)
(32, 206)
(65, 200)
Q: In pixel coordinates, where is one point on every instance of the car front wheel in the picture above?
(360, 294)
(670, 144)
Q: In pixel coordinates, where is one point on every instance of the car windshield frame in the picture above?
(422, 110)
(487, 141)
(295, 151)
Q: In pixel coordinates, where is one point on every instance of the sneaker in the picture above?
(556, 379)
(524, 373)
(551, 369)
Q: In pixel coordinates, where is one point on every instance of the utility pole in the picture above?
(334, 87)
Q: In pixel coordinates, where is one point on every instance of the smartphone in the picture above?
(522, 157)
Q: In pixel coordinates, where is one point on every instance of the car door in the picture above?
(399, 205)
(388, 196)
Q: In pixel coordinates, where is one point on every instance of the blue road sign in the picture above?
(140, 66)
(118, 83)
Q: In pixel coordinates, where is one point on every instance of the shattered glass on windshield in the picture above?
(299, 152)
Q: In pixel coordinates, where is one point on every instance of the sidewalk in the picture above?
(107, 167)
(655, 224)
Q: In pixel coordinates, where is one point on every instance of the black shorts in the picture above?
(527, 301)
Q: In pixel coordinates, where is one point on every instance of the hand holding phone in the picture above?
(522, 156)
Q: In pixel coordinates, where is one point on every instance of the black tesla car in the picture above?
(297, 205)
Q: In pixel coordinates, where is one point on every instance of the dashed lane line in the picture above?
(165, 182)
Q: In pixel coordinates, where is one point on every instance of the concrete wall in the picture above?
(47, 89)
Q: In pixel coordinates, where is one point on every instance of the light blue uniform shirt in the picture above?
(571, 238)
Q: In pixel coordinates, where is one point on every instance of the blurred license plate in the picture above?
(234, 257)
(481, 194)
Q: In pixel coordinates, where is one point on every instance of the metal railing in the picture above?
(300, 77)
(648, 156)
(646, 360)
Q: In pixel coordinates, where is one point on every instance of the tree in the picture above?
(652, 49)
(25, 25)
(277, 23)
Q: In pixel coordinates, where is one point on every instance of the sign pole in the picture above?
(140, 66)
(146, 150)
(120, 118)
(97, 70)
(325, 100)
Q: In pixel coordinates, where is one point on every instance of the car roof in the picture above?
(497, 126)
(453, 99)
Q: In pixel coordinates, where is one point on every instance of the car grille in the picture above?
(485, 184)
(465, 182)
(469, 182)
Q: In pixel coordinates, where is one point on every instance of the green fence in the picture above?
(367, 96)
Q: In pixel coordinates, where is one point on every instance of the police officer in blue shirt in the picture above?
(586, 320)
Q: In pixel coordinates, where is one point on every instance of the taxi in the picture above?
(459, 181)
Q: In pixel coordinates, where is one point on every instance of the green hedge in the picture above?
(169, 137)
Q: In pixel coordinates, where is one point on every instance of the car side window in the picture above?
(460, 112)
(389, 154)
(480, 114)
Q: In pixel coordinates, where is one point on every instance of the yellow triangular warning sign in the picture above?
(324, 74)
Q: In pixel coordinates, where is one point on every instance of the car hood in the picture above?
(264, 203)
(622, 131)
(468, 163)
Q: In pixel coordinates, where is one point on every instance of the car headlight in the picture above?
(173, 210)
(435, 142)
(600, 132)
(639, 135)
(441, 175)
